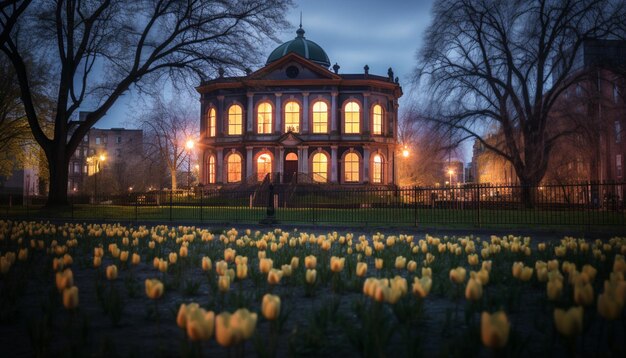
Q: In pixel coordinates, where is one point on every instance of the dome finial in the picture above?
(300, 31)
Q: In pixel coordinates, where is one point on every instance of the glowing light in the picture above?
(405, 152)
(102, 157)
(190, 143)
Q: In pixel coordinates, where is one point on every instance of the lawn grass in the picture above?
(398, 216)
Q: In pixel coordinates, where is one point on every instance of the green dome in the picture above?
(303, 47)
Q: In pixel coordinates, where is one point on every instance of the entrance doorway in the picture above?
(291, 167)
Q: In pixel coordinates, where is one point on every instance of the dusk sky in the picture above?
(354, 33)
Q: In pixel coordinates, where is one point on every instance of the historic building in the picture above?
(298, 121)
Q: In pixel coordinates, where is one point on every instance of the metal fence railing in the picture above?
(580, 204)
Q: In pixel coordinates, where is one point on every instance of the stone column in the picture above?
(278, 126)
(221, 116)
(366, 114)
(248, 163)
(279, 163)
(333, 164)
(220, 176)
(249, 113)
(333, 113)
(305, 114)
(366, 164)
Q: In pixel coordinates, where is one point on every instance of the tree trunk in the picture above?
(57, 194)
(173, 174)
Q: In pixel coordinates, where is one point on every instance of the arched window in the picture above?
(320, 117)
(291, 156)
(264, 118)
(377, 119)
(211, 169)
(352, 118)
(212, 122)
(351, 168)
(292, 117)
(235, 120)
(377, 169)
(320, 167)
(263, 166)
(234, 168)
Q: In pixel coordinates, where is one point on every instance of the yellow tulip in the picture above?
(569, 323)
(223, 283)
(70, 297)
(183, 251)
(274, 276)
(111, 272)
(472, 259)
(265, 265)
(221, 267)
(124, 256)
(473, 290)
(136, 259)
(311, 275)
(483, 276)
(526, 274)
(494, 329)
(427, 271)
(378, 263)
(200, 324)
(361, 269)
(400, 262)
(22, 254)
(183, 311)
(609, 306)
(411, 266)
(154, 288)
(206, 264)
(242, 271)
(97, 261)
(310, 262)
(541, 246)
(486, 265)
(232, 329)
(270, 306)
(554, 289)
(457, 275)
(173, 257)
(295, 262)
(337, 263)
(583, 294)
(517, 269)
(64, 279)
(163, 266)
(421, 287)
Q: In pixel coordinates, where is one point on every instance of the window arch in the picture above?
(233, 168)
(235, 119)
(320, 117)
(292, 116)
(263, 166)
(320, 167)
(212, 122)
(377, 119)
(264, 118)
(352, 118)
(291, 156)
(211, 169)
(377, 169)
(351, 167)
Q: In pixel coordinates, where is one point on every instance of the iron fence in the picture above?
(579, 204)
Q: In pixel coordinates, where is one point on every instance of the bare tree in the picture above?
(167, 127)
(504, 64)
(98, 50)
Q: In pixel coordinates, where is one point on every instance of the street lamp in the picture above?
(190, 143)
(97, 160)
(450, 173)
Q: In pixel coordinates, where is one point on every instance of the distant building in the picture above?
(487, 167)
(296, 120)
(452, 172)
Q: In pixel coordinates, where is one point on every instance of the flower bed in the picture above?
(120, 290)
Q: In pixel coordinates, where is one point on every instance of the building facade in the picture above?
(296, 120)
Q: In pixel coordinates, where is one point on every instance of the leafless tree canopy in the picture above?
(504, 64)
(98, 49)
(167, 126)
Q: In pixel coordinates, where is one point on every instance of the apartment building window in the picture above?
(618, 165)
(118, 140)
(615, 94)
(98, 142)
(618, 132)
(76, 168)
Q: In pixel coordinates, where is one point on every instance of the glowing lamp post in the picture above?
(190, 143)
(450, 173)
(97, 160)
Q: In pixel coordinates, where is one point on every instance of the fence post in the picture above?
(201, 195)
(171, 198)
(478, 205)
(415, 204)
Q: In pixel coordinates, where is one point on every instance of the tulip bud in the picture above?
(311, 275)
(310, 262)
(569, 323)
(183, 251)
(229, 254)
(270, 307)
(473, 290)
(163, 266)
(361, 269)
(286, 269)
(295, 262)
(173, 257)
(427, 271)
(183, 311)
(494, 329)
(64, 279)
(400, 262)
(223, 283)
(421, 287)
(111, 272)
(70, 297)
(206, 264)
(97, 261)
(457, 275)
(517, 269)
(583, 294)
(411, 266)
(265, 265)
(154, 288)
(378, 263)
(526, 274)
(274, 276)
(472, 259)
(337, 263)
(200, 324)
(242, 271)
(124, 256)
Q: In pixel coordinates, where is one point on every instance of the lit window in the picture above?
(98, 140)
(235, 115)
(351, 167)
(320, 117)
(212, 122)
(320, 168)
(263, 166)
(352, 118)
(76, 168)
(292, 117)
(377, 120)
(377, 169)
(211, 169)
(234, 168)
(264, 118)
